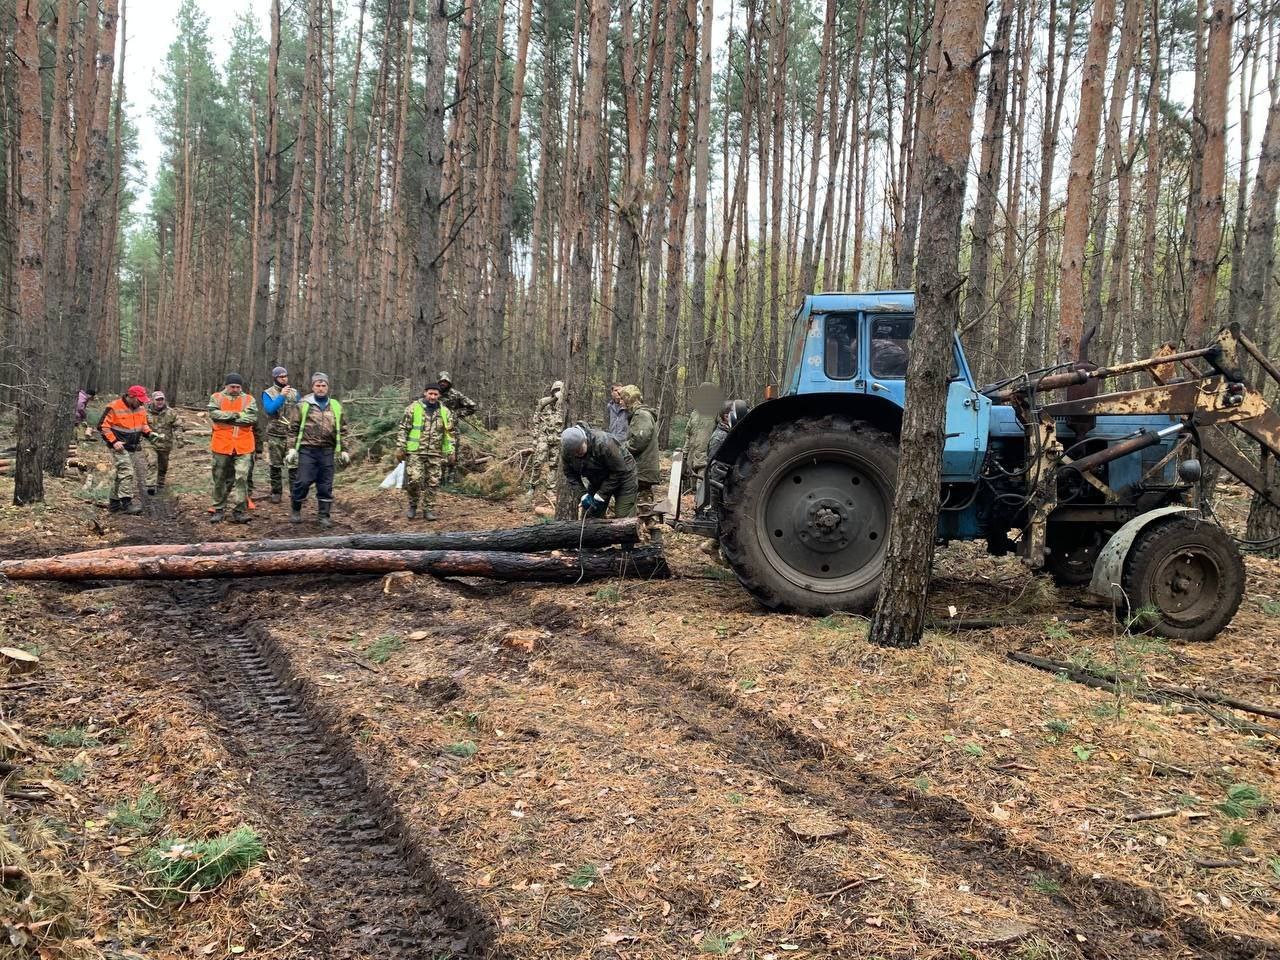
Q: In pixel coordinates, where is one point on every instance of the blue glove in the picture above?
(586, 502)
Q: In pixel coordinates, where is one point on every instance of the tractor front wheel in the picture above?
(1184, 578)
(807, 512)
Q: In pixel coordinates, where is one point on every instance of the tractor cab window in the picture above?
(795, 348)
(842, 346)
(889, 336)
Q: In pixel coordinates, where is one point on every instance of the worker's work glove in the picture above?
(156, 437)
(344, 458)
(291, 458)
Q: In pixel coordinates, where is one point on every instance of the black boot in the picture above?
(323, 507)
(277, 484)
(128, 506)
(411, 512)
(239, 516)
(113, 505)
(151, 490)
(295, 515)
(216, 516)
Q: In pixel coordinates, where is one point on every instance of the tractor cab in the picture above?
(854, 345)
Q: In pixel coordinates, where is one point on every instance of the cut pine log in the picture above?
(18, 661)
(644, 562)
(547, 536)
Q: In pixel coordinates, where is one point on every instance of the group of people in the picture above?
(617, 466)
(620, 465)
(303, 436)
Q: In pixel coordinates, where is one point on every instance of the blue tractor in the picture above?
(1098, 488)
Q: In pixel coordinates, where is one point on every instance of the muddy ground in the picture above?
(670, 771)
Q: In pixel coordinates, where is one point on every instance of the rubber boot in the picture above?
(216, 516)
(427, 513)
(277, 484)
(128, 506)
(324, 506)
(412, 512)
(295, 514)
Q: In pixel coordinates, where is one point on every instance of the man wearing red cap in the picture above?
(123, 425)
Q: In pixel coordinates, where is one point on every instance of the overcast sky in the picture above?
(150, 31)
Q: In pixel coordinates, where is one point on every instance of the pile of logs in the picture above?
(562, 552)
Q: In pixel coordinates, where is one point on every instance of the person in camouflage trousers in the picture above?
(459, 406)
(548, 421)
(166, 429)
(599, 468)
(425, 444)
(280, 411)
(122, 426)
(642, 441)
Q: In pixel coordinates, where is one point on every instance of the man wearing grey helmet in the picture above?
(279, 407)
(599, 468)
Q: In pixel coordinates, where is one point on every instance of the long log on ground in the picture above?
(1176, 699)
(564, 535)
(644, 562)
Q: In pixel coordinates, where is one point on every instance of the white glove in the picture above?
(344, 458)
(291, 458)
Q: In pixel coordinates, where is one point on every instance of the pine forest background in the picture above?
(599, 190)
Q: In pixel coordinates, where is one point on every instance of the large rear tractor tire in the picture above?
(1184, 578)
(806, 514)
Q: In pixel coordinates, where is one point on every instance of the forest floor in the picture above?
(669, 771)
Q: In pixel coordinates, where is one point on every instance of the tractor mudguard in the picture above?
(1108, 571)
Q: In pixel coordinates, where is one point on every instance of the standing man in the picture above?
(166, 431)
(316, 441)
(599, 468)
(459, 406)
(425, 443)
(702, 420)
(548, 421)
(233, 415)
(642, 441)
(280, 408)
(123, 425)
(615, 413)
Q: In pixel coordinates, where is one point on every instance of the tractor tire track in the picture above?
(374, 889)
(1117, 920)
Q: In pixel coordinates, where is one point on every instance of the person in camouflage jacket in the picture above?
(599, 468)
(548, 421)
(167, 430)
(279, 406)
(425, 443)
(642, 441)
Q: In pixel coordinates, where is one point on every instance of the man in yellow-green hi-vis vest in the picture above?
(425, 442)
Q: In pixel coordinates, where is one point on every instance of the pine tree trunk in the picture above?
(427, 260)
(28, 481)
(899, 616)
(992, 157)
(699, 338)
(1052, 118)
(1080, 181)
(1207, 227)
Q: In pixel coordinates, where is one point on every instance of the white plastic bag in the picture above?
(394, 479)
